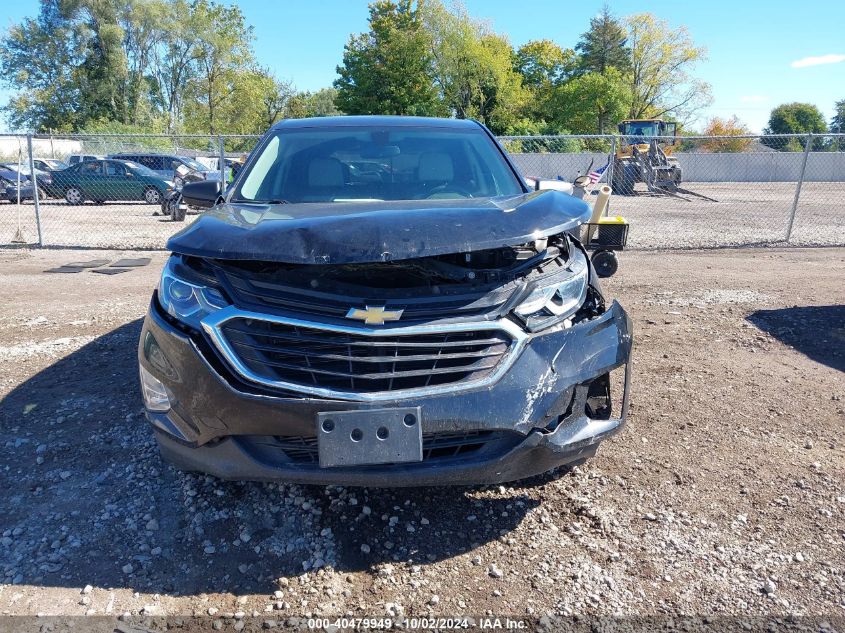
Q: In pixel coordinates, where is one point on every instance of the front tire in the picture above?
(152, 196)
(74, 196)
(605, 263)
(624, 178)
(172, 208)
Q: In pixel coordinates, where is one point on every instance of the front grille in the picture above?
(444, 445)
(444, 302)
(358, 363)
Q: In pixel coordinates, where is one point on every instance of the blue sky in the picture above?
(752, 45)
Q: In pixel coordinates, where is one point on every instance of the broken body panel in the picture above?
(462, 340)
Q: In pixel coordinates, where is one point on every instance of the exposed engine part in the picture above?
(492, 266)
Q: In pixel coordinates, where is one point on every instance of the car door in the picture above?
(90, 179)
(120, 183)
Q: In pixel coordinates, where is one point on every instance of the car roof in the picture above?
(375, 120)
(122, 154)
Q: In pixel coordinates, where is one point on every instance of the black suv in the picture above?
(381, 301)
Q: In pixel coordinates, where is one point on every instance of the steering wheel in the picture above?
(448, 188)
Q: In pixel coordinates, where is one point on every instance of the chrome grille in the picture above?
(363, 363)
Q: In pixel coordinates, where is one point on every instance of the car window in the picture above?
(387, 163)
(91, 168)
(115, 169)
(141, 170)
(193, 164)
(146, 161)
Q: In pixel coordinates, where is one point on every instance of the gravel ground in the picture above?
(724, 495)
(739, 214)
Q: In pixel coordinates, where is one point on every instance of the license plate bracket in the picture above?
(366, 437)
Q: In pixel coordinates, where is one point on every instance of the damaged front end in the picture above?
(510, 355)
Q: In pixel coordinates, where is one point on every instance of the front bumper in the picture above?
(536, 413)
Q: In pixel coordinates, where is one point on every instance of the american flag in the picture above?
(596, 175)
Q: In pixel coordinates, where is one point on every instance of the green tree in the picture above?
(604, 46)
(473, 68)
(140, 22)
(322, 102)
(542, 63)
(173, 65)
(837, 126)
(793, 118)
(837, 123)
(592, 102)
(38, 58)
(543, 66)
(69, 66)
(387, 70)
(224, 58)
(662, 58)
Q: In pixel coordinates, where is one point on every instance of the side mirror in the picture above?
(553, 185)
(203, 194)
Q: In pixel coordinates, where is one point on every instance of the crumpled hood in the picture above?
(359, 232)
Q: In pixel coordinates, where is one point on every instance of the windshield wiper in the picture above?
(273, 201)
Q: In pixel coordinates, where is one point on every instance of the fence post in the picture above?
(34, 190)
(222, 160)
(798, 187)
(612, 160)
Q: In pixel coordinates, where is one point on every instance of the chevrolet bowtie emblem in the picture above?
(374, 315)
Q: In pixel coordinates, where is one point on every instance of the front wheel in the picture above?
(74, 196)
(624, 178)
(174, 208)
(152, 196)
(605, 263)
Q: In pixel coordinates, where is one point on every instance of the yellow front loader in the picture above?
(644, 154)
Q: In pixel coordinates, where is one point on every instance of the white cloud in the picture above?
(817, 61)
(753, 99)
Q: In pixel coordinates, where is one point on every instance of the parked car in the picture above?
(43, 178)
(422, 319)
(46, 167)
(168, 165)
(75, 159)
(101, 180)
(9, 186)
(50, 164)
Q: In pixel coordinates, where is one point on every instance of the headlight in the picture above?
(560, 299)
(186, 301)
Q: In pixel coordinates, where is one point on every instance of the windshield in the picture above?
(347, 164)
(56, 164)
(641, 128)
(140, 169)
(193, 164)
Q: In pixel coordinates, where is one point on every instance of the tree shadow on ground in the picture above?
(816, 331)
(87, 500)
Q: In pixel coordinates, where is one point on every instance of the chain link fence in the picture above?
(105, 191)
(112, 191)
(701, 192)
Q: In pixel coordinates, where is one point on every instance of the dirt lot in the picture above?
(736, 214)
(725, 494)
